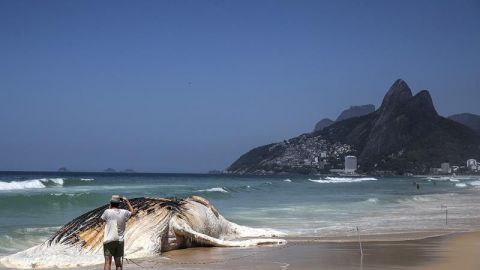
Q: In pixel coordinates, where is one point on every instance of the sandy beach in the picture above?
(450, 251)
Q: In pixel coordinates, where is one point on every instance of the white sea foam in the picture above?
(45, 256)
(372, 200)
(30, 184)
(415, 199)
(58, 181)
(68, 194)
(438, 178)
(333, 180)
(44, 230)
(244, 231)
(353, 178)
(287, 180)
(23, 238)
(87, 179)
(215, 189)
(474, 183)
(21, 184)
(420, 198)
(443, 178)
(461, 185)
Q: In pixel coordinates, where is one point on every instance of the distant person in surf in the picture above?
(113, 239)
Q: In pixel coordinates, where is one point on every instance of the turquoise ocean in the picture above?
(34, 205)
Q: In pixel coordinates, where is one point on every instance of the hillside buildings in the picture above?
(472, 166)
(444, 169)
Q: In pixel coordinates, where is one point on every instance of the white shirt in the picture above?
(121, 216)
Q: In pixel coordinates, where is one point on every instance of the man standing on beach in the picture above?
(113, 240)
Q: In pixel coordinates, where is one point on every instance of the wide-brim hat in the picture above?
(115, 199)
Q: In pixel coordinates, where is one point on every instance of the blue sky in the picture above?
(188, 86)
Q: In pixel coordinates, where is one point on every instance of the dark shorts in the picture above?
(114, 249)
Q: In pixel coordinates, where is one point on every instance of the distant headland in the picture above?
(405, 135)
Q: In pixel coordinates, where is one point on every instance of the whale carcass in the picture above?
(160, 225)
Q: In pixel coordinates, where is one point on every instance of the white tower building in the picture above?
(472, 164)
(445, 167)
(350, 164)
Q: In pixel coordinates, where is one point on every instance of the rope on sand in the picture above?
(132, 261)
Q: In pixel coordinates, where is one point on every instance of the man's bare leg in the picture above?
(118, 263)
(108, 263)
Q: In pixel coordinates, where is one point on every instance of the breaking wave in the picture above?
(60, 194)
(31, 184)
(415, 199)
(475, 183)
(445, 178)
(438, 178)
(23, 238)
(287, 180)
(335, 180)
(215, 189)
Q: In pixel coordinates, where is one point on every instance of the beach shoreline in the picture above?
(392, 251)
(399, 226)
(415, 250)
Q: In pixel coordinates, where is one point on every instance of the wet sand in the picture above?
(461, 252)
(452, 251)
(395, 251)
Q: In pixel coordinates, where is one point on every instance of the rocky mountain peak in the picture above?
(404, 135)
(392, 129)
(398, 94)
(353, 111)
(356, 111)
(422, 104)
